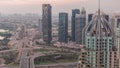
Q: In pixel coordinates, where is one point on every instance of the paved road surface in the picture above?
(24, 61)
(4, 66)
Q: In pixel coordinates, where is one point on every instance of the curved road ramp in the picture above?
(60, 65)
(4, 66)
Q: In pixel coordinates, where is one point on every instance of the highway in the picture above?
(24, 61)
(2, 65)
(58, 64)
(13, 50)
(32, 57)
(25, 46)
(2, 61)
(28, 61)
(32, 65)
(5, 66)
(6, 51)
(59, 49)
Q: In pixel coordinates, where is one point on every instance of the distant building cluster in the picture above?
(78, 23)
(99, 33)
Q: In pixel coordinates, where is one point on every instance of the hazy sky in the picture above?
(34, 6)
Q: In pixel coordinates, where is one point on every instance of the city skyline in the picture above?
(59, 34)
(34, 6)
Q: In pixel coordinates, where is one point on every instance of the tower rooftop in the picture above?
(99, 26)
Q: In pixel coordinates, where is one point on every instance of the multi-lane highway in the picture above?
(13, 50)
(24, 46)
(24, 61)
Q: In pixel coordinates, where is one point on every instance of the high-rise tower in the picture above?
(74, 12)
(63, 28)
(40, 27)
(115, 21)
(21, 32)
(118, 42)
(99, 40)
(80, 21)
(46, 23)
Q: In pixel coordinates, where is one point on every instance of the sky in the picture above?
(35, 6)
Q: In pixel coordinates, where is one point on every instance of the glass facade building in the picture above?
(74, 12)
(63, 28)
(80, 22)
(46, 23)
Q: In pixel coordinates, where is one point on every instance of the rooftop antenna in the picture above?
(99, 7)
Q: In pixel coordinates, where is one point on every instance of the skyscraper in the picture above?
(118, 42)
(74, 12)
(63, 28)
(80, 21)
(21, 32)
(99, 41)
(115, 21)
(46, 23)
(40, 27)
